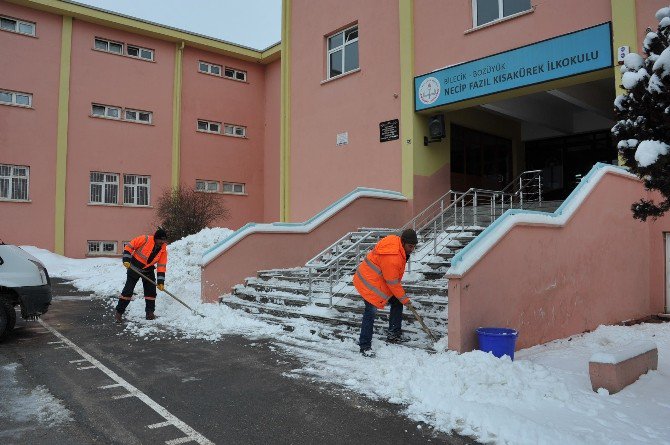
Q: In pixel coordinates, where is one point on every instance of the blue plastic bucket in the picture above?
(498, 341)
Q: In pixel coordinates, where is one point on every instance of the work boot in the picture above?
(117, 317)
(367, 352)
(151, 316)
(396, 338)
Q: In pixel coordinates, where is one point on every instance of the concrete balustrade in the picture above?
(613, 370)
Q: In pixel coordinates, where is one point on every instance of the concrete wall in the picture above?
(260, 251)
(646, 10)
(551, 282)
(28, 135)
(271, 146)
(355, 103)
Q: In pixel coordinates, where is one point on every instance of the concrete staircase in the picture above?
(323, 302)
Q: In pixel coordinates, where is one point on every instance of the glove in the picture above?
(126, 264)
(161, 286)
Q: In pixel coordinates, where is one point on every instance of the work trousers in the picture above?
(395, 322)
(132, 278)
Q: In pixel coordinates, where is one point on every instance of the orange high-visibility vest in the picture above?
(378, 276)
(140, 248)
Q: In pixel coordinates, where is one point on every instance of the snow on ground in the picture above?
(543, 397)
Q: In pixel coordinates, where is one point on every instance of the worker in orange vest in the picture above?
(145, 253)
(378, 280)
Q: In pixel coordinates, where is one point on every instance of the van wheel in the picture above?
(7, 317)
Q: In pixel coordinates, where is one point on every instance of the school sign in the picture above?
(563, 56)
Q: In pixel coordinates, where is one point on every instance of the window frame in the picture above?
(17, 26)
(342, 48)
(139, 52)
(235, 71)
(234, 130)
(136, 187)
(107, 108)
(233, 184)
(104, 189)
(10, 187)
(108, 42)
(210, 65)
(14, 102)
(209, 124)
(100, 244)
(137, 120)
(501, 16)
(206, 183)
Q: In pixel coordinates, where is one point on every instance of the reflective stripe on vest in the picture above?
(372, 266)
(377, 291)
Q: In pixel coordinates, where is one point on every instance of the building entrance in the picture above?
(565, 160)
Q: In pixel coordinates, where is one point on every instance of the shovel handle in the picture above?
(420, 320)
(134, 269)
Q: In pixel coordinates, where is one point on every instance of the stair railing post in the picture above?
(309, 293)
(474, 211)
(330, 293)
(539, 188)
(434, 237)
(442, 214)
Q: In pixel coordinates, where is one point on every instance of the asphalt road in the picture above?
(120, 389)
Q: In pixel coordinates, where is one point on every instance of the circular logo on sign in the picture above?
(429, 90)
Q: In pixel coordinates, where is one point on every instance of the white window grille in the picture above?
(108, 45)
(104, 188)
(14, 182)
(209, 68)
(101, 247)
(105, 111)
(209, 126)
(17, 26)
(236, 188)
(15, 98)
(143, 117)
(234, 73)
(140, 53)
(235, 130)
(343, 52)
(486, 11)
(207, 186)
(136, 190)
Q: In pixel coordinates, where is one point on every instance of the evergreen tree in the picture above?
(643, 129)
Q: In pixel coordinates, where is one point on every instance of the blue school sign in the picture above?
(567, 55)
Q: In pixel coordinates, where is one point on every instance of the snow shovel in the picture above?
(134, 269)
(420, 320)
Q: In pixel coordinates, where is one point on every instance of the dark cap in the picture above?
(160, 234)
(409, 237)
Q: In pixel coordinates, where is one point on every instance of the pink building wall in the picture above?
(551, 282)
(259, 251)
(105, 145)
(356, 103)
(28, 135)
(646, 18)
(440, 37)
(272, 146)
(220, 157)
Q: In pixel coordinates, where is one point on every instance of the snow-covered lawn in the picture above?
(544, 396)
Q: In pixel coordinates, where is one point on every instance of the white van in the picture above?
(24, 281)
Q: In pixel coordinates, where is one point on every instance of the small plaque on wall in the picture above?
(342, 138)
(389, 130)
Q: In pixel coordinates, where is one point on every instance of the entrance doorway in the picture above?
(565, 160)
(479, 160)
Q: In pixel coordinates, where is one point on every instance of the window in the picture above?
(139, 52)
(104, 188)
(106, 111)
(343, 52)
(136, 190)
(234, 187)
(235, 130)
(143, 117)
(101, 247)
(18, 26)
(486, 11)
(14, 182)
(109, 46)
(16, 98)
(209, 127)
(236, 74)
(209, 68)
(207, 186)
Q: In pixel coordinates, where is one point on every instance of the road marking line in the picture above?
(78, 361)
(158, 425)
(54, 342)
(192, 434)
(86, 367)
(115, 385)
(178, 441)
(123, 396)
